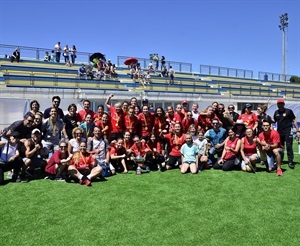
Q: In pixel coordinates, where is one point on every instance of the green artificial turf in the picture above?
(168, 208)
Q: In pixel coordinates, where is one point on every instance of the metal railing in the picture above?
(34, 53)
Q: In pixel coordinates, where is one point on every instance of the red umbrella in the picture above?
(130, 61)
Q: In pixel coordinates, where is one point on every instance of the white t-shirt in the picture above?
(201, 145)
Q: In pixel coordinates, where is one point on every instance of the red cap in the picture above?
(280, 100)
(184, 102)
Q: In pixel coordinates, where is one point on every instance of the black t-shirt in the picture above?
(260, 121)
(70, 124)
(284, 120)
(18, 126)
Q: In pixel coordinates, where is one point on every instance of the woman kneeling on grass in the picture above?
(230, 155)
(249, 152)
(189, 154)
(83, 166)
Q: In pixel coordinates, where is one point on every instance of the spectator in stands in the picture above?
(66, 54)
(87, 126)
(82, 72)
(90, 73)
(73, 51)
(52, 128)
(163, 63)
(83, 166)
(248, 117)
(164, 72)
(57, 165)
(47, 57)
(150, 67)
(10, 156)
(55, 104)
(86, 110)
(15, 55)
(74, 142)
(249, 151)
(70, 121)
(156, 60)
(113, 71)
(23, 127)
(171, 72)
(230, 159)
(286, 120)
(57, 49)
(262, 115)
(234, 115)
(53, 56)
(189, 155)
(271, 148)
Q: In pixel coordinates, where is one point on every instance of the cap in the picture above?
(248, 105)
(35, 131)
(145, 100)
(239, 122)
(184, 102)
(280, 100)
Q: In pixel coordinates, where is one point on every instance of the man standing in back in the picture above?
(55, 104)
(285, 119)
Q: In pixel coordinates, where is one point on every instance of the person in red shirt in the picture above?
(249, 151)
(117, 119)
(132, 123)
(146, 122)
(98, 115)
(187, 121)
(125, 106)
(185, 107)
(178, 113)
(249, 118)
(83, 166)
(171, 119)
(86, 110)
(175, 140)
(118, 156)
(142, 153)
(270, 146)
(57, 164)
(104, 124)
(205, 119)
(231, 151)
(160, 121)
(158, 151)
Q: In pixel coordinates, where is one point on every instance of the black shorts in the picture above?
(173, 160)
(84, 172)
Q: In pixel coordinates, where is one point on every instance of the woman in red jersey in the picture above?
(146, 122)
(104, 124)
(231, 151)
(249, 118)
(249, 151)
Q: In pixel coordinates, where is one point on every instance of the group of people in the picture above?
(105, 70)
(84, 144)
(66, 52)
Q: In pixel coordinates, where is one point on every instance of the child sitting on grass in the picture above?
(189, 155)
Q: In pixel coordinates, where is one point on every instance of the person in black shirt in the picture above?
(261, 115)
(285, 119)
(55, 104)
(234, 115)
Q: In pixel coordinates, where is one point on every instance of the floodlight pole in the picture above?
(283, 27)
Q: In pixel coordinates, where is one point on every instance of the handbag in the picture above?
(106, 172)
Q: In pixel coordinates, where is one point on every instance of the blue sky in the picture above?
(238, 33)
